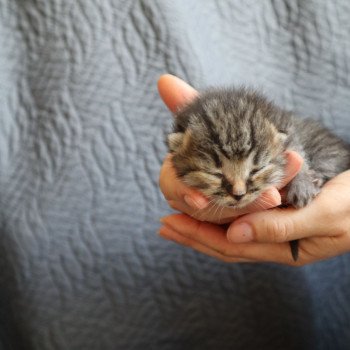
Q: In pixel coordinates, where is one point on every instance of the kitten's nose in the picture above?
(239, 189)
(238, 197)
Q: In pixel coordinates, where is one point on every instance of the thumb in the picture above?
(280, 225)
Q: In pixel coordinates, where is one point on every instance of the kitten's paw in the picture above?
(300, 194)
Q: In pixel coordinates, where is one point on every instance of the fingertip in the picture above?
(196, 201)
(294, 162)
(163, 82)
(162, 220)
(174, 91)
(171, 220)
(271, 197)
(164, 233)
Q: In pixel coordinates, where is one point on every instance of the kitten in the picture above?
(230, 144)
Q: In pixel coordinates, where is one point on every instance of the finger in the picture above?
(294, 164)
(212, 241)
(214, 238)
(175, 92)
(170, 234)
(175, 190)
(320, 218)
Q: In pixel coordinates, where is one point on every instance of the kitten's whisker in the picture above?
(220, 216)
(259, 204)
(210, 208)
(215, 209)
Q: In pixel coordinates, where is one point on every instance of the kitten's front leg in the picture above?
(301, 191)
(303, 188)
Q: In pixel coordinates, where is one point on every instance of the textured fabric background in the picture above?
(81, 144)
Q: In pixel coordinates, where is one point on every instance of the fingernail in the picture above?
(198, 203)
(240, 233)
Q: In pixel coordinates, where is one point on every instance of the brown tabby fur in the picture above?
(230, 144)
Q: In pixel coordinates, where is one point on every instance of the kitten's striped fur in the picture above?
(230, 143)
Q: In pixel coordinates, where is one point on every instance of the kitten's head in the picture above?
(230, 152)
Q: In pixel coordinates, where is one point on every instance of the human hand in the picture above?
(322, 228)
(176, 93)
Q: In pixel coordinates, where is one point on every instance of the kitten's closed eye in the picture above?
(255, 171)
(219, 175)
(255, 189)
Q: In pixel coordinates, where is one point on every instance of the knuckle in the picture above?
(231, 252)
(327, 212)
(239, 250)
(197, 228)
(336, 219)
(330, 210)
(226, 252)
(341, 230)
(278, 230)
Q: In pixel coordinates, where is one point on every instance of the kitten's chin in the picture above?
(230, 205)
(238, 205)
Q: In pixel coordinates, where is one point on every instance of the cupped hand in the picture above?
(323, 230)
(176, 93)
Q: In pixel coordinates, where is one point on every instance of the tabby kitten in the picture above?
(230, 144)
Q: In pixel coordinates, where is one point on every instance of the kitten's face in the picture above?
(233, 179)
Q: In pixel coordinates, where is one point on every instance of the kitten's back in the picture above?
(238, 114)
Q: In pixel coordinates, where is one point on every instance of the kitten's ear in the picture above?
(175, 140)
(179, 140)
